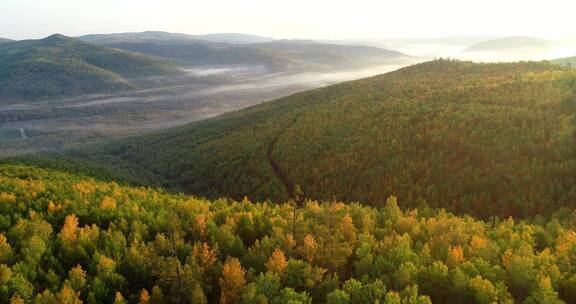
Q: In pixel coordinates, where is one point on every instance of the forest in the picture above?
(479, 139)
(443, 182)
(67, 238)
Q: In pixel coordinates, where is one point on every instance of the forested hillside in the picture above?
(483, 139)
(59, 66)
(68, 239)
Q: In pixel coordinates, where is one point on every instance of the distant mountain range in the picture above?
(159, 36)
(234, 38)
(203, 53)
(509, 44)
(237, 49)
(59, 66)
(4, 40)
(135, 37)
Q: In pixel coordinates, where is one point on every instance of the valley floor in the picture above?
(56, 124)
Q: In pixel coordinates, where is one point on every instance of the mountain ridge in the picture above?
(276, 55)
(230, 38)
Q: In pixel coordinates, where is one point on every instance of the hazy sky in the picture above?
(290, 19)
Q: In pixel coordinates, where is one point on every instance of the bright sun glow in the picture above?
(290, 19)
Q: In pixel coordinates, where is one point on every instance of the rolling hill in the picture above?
(59, 66)
(485, 139)
(4, 40)
(569, 61)
(280, 55)
(516, 43)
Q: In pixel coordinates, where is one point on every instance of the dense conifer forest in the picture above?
(71, 239)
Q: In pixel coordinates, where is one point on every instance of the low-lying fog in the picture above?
(229, 70)
(271, 82)
(54, 124)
